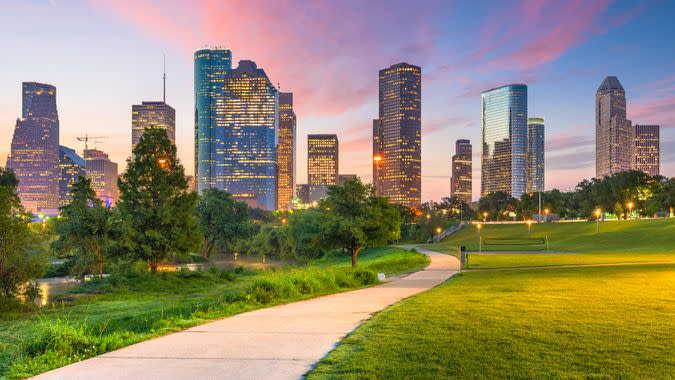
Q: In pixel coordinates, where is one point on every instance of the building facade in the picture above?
(72, 167)
(613, 140)
(647, 149)
(535, 154)
(398, 135)
(286, 152)
(152, 115)
(34, 151)
(460, 182)
(103, 175)
(211, 66)
(504, 140)
(377, 154)
(322, 159)
(311, 194)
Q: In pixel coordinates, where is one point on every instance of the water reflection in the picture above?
(53, 287)
(232, 261)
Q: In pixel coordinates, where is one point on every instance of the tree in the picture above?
(21, 253)
(306, 231)
(359, 218)
(221, 219)
(83, 229)
(155, 205)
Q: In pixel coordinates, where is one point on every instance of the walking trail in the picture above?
(281, 342)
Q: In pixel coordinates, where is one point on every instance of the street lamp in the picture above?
(428, 216)
(529, 228)
(598, 212)
(485, 215)
(630, 209)
(283, 220)
(480, 242)
(438, 230)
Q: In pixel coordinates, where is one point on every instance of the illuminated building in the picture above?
(72, 167)
(460, 182)
(503, 117)
(342, 178)
(311, 194)
(286, 152)
(152, 114)
(398, 135)
(247, 166)
(377, 153)
(613, 142)
(322, 159)
(535, 154)
(103, 175)
(211, 66)
(646, 149)
(34, 154)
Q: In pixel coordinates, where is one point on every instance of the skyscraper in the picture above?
(103, 175)
(613, 144)
(211, 66)
(322, 159)
(152, 114)
(286, 152)
(503, 117)
(460, 183)
(535, 154)
(377, 153)
(400, 134)
(247, 165)
(72, 167)
(647, 149)
(34, 154)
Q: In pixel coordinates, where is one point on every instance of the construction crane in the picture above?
(88, 138)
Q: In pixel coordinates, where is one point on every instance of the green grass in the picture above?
(618, 242)
(148, 305)
(592, 322)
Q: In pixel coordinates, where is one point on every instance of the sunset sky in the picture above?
(105, 55)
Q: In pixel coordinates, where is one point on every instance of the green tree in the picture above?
(359, 218)
(155, 205)
(83, 229)
(21, 251)
(306, 231)
(222, 220)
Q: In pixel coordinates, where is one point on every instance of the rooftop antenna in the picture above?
(164, 80)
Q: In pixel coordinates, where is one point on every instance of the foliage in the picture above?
(497, 206)
(222, 219)
(155, 206)
(306, 231)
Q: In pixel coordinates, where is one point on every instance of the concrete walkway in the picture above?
(281, 342)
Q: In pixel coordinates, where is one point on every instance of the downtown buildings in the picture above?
(612, 129)
(397, 143)
(103, 175)
(535, 154)
(72, 167)
(286, 152)
(460, 182)
(34, 154)
(646, 149)
(322, 159)
(152, 115)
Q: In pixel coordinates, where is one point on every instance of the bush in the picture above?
(365, 277)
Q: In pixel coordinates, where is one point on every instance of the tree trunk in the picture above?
(355, 257)
(153, 266)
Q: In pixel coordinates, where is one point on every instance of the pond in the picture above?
(232, 261)
(54, 286)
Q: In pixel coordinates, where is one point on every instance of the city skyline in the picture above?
(560, 87)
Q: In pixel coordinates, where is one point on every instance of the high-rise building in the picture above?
(377, 153)
(503, 117)
(310, 194)
(460, 182)
(34, 154)
(211, 66)
(286, 152)
(647, 149)
(103, 175)
(613, 140)
(72, 167)
(535, 154)
(342, 178)
(398, 135)
(322, 159)
(247, 166)
(155, 115)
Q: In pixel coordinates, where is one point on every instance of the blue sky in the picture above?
(106, 55)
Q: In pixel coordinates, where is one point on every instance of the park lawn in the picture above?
(91, 324)
(592, 322)
(618, 242)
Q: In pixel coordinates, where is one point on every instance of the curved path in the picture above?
(281, 342)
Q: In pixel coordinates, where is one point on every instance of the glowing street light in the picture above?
(163, 163)
(485, 215)
(377, 158)
(428, 216)
(598, 212)
(529, 228)
(438, 230)
(480, 242)
(630, 208)
(283, 220)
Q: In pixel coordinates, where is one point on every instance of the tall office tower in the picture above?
(72, 167)
(286, 152)
(322, 159)
(647, 149)
(377, 153)
(613, 140)
(103, 175)
(400, 130)
(34, 154)
(311, 194)
(535, 154)
(247, 166)
(211, 66)
(503, 117)
(460, 183)
(155, 115)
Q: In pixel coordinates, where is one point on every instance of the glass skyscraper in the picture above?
(286, 151)
(503, 117)
(211, 66)
(460, 182)
(103, 175)
(34, 154)
(152, 114)
(535, 154)
(72, 168)
(322, 159)
(612, 130)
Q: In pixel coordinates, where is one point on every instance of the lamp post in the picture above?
(438, 232)
(480, 242)
(630, 209)
(485, 215)
(598, 212)
(546, 212)
(529, 228)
